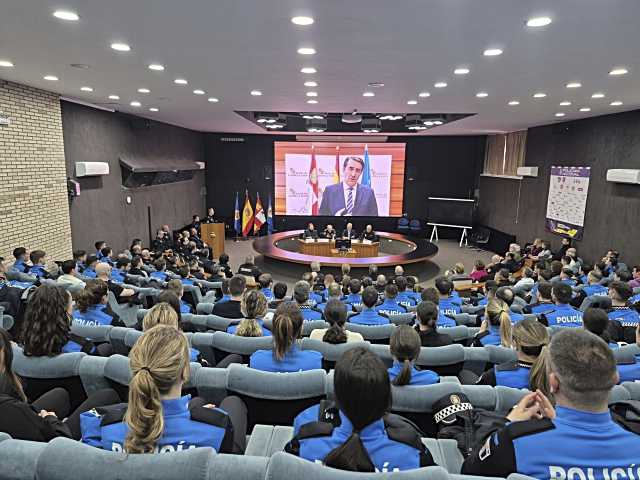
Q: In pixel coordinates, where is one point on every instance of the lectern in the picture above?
(213, 235)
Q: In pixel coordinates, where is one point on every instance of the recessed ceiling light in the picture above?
(619, 71)
(51, 78)
(482, 94)
(308, 70)
(257, 93)
(6, 63)
(213, 100)
(514, 102)
(412, 102)
(366, 94)
(312, 94)
(424, 94)
(574, 85)
(197, 91)
(375, 84)
(560, 114)
(304, 21)
(86, 89)
(153, 109)
(114, 97)
(312, 102)
(180, 81)
(156, 66)
(440, 84)
(461, 71)
(66, 15)
(135, 104)
(144, 90)
(617, 103)
(598, 95)
(538, 22)
(121, 47)
(585, 109)
(310, 84)
(539, 95)
(565, 103)
(492, 52)
(307, 51)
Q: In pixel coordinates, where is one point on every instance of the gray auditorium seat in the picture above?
(465, 319)
(127, 313)
(204, 308)
(19, 458)
(116, 339)
(402, 318)
(137, 280)
(373, 333)
(92, 373)
(95, 333)
(596, 301)
(330, 352)
(307, 326)
(620, 393)
(211, 384)
(195, 292)
(208, 285)
(633, 388)
(223, 344)
(131, 338)
(459, 332)
(210, 322)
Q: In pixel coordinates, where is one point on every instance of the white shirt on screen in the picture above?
(345, 191)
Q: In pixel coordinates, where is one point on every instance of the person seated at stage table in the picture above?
(310, 232)
(329, 232)
(301, 296)
(369, 234)
(349, 232)
(369, 315)
(390, 305)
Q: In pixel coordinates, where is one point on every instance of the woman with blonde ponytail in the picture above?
(496, 327)
(253, 307)
(530, 339)
(405, 349)
(157, 419)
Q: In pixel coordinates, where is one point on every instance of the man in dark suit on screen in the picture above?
(348, 198)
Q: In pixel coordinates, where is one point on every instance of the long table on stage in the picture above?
(392, 249)
(327, 248)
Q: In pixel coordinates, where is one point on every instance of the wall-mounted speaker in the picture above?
(267, 172)
(412, 173)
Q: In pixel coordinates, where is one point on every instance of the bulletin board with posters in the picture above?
(567, 201)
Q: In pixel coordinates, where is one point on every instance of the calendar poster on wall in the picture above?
(567, 202)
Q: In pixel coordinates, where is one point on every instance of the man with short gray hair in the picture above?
(578, 440)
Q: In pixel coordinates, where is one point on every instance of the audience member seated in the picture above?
(20, 264)
(265, 282)
(368, 234)
(90, 270)
(122, 294)
(253, 308)
(381, 283)
(527, 281)
(592, 288)
(624, 319)
(92, 306)
(354, 298)
(231, 308)
(345, 271)
(432, 295)
(156, 418)
(507, 295)
(496, 326)
(530, 339)
(543, 300)
(456, 272)
(301, 296)
(11, 293)
(334, 292)
(310, 232)
(164, 313)
(177, 287)
(286, 355)
(136, 267)
(369, 315)
(223, 263)
(350, 437)
(427, 314)
(563, 314)
(479, 272)
(160, 274)
(581, 374)
(279, 293)
(405, 349)
(503, 277)
(106, 256)
(69, 275)
(47, 417)
(335, 313)
(100, 244)
(249, 269)
(635, 282)
(596, 321)
(448, 304)
(405, 297)
(566, 277)
(390, 306)
(38, 260)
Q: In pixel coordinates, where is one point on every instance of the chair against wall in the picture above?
(415, 226)
(403, 225)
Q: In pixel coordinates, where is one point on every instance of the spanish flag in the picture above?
(247, 215)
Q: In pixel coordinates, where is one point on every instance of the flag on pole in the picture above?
(260, 219)
(236, 217)
(269, 218)
(366, 173)
(313, 184)
(336, 171)
(247, 215)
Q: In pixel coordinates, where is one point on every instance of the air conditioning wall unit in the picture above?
(624, 175)
(527, 171)
(91, 169)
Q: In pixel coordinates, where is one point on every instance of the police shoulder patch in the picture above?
(528, 427)
(315, 429)
(211, 416)
(402, 430)
(508, 366)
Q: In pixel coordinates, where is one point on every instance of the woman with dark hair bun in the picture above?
(357, 433)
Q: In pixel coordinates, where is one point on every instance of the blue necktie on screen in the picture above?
(349, 209)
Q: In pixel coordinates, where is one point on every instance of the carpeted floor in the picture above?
(448, 254)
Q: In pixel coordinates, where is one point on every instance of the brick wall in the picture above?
(34, 210)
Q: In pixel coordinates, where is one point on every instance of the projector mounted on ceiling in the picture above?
(351, 117)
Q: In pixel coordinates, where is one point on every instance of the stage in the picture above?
(393, 249)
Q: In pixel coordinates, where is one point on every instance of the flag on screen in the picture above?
(269, 218)
(366, 171)
(236, 217)
(260, 219)
(247, 215)
(336, 170)
(313, 184)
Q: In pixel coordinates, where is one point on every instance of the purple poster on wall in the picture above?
(567, 201)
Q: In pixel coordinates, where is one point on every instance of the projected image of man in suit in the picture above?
(349, 198)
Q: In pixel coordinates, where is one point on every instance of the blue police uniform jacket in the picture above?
(515, 317)
(354, 299)
(406, 299)
(19, 266)
(455, 297)
(368, 316)
(542, 308)
(184, 307)
(38, 270)
(448, 307)
(626, 316)
(393, 443)
(629, 372)
(161, 276)
(19, 284)
(512, 374)
(310, 312)
(78, 344)
(268, 294)
(95, 315)
(634, 299)
(418, 377)
(184, 428)
(224, 298)
(117, 276)
(576, 445)
(89, 272)
(569, 281)
(596, 289)
(265, 331)
(314, 298)
(390, 307)
(295, 360)
(99, 255)
(322, 306)
(564, 316)
(490, 337)
(444, 321)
